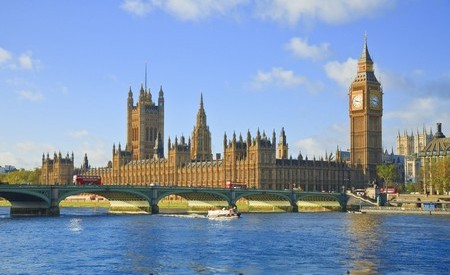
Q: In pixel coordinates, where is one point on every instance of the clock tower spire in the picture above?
(366, 111)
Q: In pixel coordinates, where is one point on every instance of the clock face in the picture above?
(357, 101)
(375, 101)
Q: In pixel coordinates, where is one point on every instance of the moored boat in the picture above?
(224, 213)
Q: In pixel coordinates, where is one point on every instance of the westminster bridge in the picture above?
(44, 200)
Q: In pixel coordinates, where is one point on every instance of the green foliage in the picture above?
(387, 172)
(413, 187)
(22, 176)
(440, 174)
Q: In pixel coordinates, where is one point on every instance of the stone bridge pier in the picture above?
(45, 203)
(154, 208)
(21, 209)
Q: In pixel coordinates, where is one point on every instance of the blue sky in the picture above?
(66, 68)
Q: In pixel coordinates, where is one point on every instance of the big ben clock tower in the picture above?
(366, 110)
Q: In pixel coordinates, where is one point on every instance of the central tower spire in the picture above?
(145, 76)
(201, 136)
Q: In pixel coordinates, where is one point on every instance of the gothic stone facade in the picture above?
(410, 146)
(259, 162)
(58, 170)
(251, 161)
(145, 125)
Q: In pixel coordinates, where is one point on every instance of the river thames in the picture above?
(88, 241)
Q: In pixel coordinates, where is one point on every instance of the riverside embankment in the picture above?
(417, 204)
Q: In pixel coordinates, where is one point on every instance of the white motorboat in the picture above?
(224, 213)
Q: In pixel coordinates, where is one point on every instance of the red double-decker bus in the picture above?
(87, 180)
(390, 190)
(235, 185)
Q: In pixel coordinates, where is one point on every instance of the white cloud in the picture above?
(5, 56)
(26, 62)
(300, 48)
(189, 10)
(415, 83)
(285, 11)
(282, 78)
(28, 154)
(8, 158)
(97, 151)
(79, 134)
(137, 7)
(342, 73)
(310, 147)
(32, 147)
(325, 143)
(25, 146)
(17, 81)
(413, 115)
(30, 95)
(310, 11)
(420, 110)
(24, 154)
(199, 9)
(404, 82)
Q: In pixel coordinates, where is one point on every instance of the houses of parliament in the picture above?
(257, 160)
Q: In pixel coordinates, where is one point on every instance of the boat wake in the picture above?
(186, 216)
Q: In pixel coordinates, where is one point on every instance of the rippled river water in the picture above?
(85, 241)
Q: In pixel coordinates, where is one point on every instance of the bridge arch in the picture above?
(29, 201)
(282, 196)
(181, 192)
(267, 200)
(26, 194)
(325, 200)
(198, 198)
(121, 198)
(110, 194)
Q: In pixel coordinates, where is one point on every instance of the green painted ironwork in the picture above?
(52, 195)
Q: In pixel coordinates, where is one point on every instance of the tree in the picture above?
(414, 187)
(22, 176)
(34, 175)
(440, 174)
(445, 173)
(387, 172)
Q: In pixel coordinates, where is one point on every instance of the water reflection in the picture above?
(288, 243)
(75, 225)
(365, 243)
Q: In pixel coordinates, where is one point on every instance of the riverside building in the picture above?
(436, 150)
(410, 145)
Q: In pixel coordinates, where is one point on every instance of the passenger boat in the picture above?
(224, 213)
